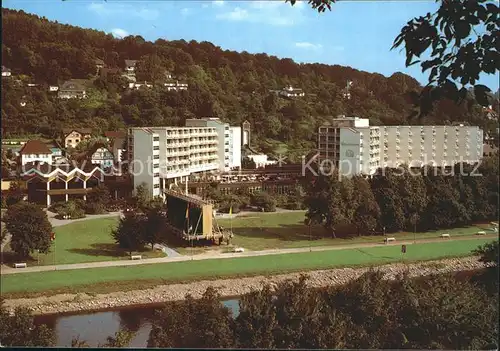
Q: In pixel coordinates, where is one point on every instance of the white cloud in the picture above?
(307, 45)
(238, 14)
(275, 13)
(218, 3)
(119, 33)
(123, 10)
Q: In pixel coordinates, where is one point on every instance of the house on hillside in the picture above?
(73, 136)
(103, 158)
(175, 85)
(73, 89)
(35, 151)
(133, 85)
(130, 66)
(290, 91)
(99, 63)
(53, 88)
(6, 72)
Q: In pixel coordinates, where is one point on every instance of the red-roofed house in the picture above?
(35, 151)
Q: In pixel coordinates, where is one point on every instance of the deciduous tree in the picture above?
(30, 229)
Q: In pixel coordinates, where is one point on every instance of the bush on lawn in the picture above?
(264, 201)
(73, 209)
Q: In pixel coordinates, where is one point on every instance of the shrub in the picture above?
(264, 201)
(95, 208)
(73, 209)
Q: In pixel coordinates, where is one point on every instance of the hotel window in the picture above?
(156, 157)
(156, 166)
(156, 138)
(156, 185)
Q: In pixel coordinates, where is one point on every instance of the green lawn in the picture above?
(261, 231)
(100, 280)
(83, 241)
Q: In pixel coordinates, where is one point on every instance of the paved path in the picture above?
(10, 270)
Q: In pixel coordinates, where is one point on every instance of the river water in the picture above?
(95, 327)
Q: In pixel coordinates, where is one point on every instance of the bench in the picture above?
(445, 235)
(136, 257)
(386, 240)
(20, 265)
(481, 233)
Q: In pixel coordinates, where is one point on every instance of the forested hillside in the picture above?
(230, 85)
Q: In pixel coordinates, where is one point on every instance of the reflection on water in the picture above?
(95, 327)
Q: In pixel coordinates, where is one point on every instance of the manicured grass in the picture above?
(99, 280)
(84, 241)
(261, 231)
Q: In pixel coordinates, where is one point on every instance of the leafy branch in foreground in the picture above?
(461, 40)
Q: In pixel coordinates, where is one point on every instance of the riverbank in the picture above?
(64, 303)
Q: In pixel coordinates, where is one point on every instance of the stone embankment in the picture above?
(229, 287)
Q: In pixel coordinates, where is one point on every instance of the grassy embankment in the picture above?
(101, 280)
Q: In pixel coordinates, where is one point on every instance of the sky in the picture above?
(355, 33)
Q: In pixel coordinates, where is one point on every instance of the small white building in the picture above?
(290, 91)
(175, 86)
(137, 86)
(261, 160)
(35, 151)
(6, 72)
(130, 66)
(53, 88)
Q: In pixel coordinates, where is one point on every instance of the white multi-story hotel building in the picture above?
(160, 156)
(229, 141)
(352, 146)
(417, 146)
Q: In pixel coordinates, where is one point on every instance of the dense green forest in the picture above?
(230, 85)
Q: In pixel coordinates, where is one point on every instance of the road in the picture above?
(10, 270)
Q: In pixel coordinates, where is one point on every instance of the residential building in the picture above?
(73, 89)
(162, 156)
(6, 72)
(47, 184)
(175, 85)
(103, 158)
(130, 67)
(354, 147)
(117, 141)
(35, 151)
(99, 64)
(56, 153)
(73, 136)
(53, 88)
(290, 91)
(138, 85)
(227, 147)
